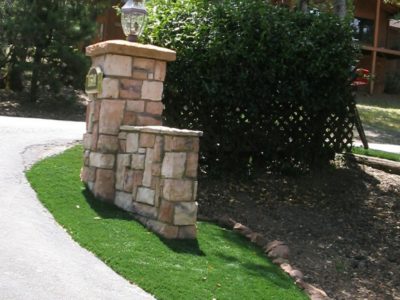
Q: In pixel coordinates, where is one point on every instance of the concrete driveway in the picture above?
(38, 259)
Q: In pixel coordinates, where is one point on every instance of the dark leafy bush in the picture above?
(263, 83)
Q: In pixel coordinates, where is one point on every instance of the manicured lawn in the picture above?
(382, 118)
(376, 153)
(219, 265)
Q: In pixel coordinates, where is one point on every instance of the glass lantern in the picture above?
(133, 17)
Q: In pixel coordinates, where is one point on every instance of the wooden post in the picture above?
(376, 40)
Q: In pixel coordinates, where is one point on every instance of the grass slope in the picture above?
(376, 153)
(219, 265)
(378, 117)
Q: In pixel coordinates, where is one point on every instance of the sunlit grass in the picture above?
(219, 265)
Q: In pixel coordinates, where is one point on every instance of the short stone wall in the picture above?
(129, 159)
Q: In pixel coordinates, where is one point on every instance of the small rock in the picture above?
(279, 261)
(273, 244)
(243, 230)
(296, 274)
(279, 251)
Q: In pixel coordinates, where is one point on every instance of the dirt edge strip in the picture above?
(276, 250)
(388, 166)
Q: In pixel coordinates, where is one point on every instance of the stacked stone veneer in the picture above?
(129, 159)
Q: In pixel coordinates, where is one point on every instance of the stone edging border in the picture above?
(276, 250)
(388, 166)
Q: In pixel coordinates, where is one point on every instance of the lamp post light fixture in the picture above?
(133, 17)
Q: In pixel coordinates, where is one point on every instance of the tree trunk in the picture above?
(340, 8)
(303, 5)
(35, 74)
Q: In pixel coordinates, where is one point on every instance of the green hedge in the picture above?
(263, 83)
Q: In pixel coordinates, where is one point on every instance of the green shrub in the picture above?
(263, 83)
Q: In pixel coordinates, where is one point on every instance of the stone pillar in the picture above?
(131, 95)
(157, 178)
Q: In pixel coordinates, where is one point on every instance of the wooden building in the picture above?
(377, 33)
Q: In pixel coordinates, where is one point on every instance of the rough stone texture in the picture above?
(101, 160)
(154, 107)
(107, 143)
(117, 65)
(138, 161)
(130, 89)
(104, 186)
(130, 159)
(178, 190)
(185, 213)
(110, 89)
(123, 200)
(111, 116)
(152, 90)
(132, 142)
(173, 165)
(146, 195)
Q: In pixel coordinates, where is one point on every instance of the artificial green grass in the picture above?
(376, 153)
(219, 265)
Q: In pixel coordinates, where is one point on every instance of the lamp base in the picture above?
(132, 38)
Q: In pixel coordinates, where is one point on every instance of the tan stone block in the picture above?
(147, 140)
(123, 200)
(86, 157)
(128, 181)
(152, 90)
(89, 116)
(142, 150)
(104, 185)
(173, 165)
(192, 163)
(110, 89)
(122, 146)
(165, 230)
(166, 212)
(98, 61)
(136, 106)
(185, 213)
(107, 143)
(178, 190)
(132, 142)
(195, 188)
(158, 148)
(179, 143)
(87, 141)
(147, 175)
(156, 185)
(111, 115)
(187, 232)
(97, 108)
(130, 89)
(138, 161)
(95, 136)
(160, 70)
(129, 118)
(119, 178)
(144, 210)
(145, 195)
(101, 160)
(156, 169)
(88, 174)
(140, 74)
(154, 107)
(143, 64)
(148, 121)
(117, 65)
(122, 135)
(137, 181)
(123, 161)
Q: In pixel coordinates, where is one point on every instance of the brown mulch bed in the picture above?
(342, 225)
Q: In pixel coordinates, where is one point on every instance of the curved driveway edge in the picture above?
(38, 259)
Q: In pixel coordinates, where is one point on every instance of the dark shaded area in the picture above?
(110, 211)
(341, 223)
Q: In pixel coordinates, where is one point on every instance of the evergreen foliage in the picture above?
(265, 84)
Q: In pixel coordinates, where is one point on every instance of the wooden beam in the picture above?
(381, 50)
(376, 41)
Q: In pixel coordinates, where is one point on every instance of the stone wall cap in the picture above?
(162, 130)
(122, 47)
